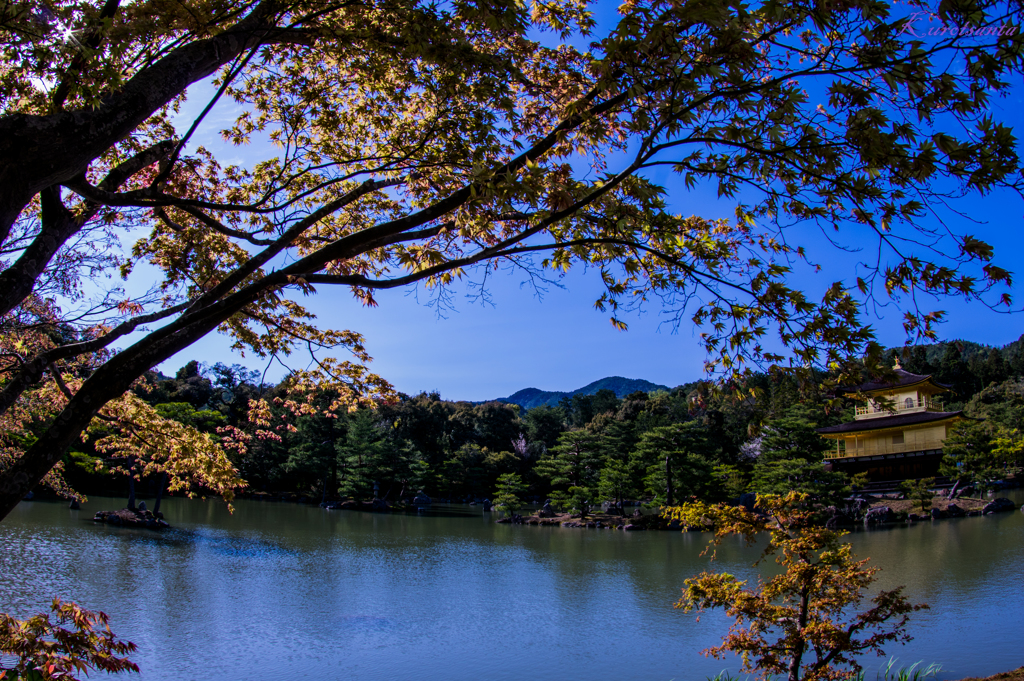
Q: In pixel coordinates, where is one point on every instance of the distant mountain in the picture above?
(528, 398)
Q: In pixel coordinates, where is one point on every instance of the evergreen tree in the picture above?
(968, 455)
(792, 436)
(314, 456)
(575, 461)
(995, 370)
(496, 425)
(799, 475)
(615, 483)
(579, 409)
(1001, 404)
(953, 371)
(920, 491)
(792, 456)
(544, 424)
(464, 473)
(917, 361)
(507, 494)
(604, 401)
(373, 461)
(677, 460)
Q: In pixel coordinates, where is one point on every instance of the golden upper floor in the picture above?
(907, 394)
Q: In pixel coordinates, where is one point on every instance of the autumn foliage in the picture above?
(50, 650)
(800, 623)
(399, 142)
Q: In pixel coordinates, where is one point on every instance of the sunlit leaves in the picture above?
(67, 647)
(130, 430)
(799, 623)
(400, 142)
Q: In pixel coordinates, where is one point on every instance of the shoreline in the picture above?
(871, 512)
(867, 512)
(1012, 675)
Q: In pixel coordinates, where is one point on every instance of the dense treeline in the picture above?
(661, 446)
(968, 368)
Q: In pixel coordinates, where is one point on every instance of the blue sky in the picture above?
(559, 342)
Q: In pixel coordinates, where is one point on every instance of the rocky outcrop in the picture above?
(421, 499)
(998, 506)
(879, 515)
(834, 516)
(126, 517)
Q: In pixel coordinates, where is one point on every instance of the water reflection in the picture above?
(302, 592)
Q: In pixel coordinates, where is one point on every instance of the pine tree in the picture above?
(575, 461)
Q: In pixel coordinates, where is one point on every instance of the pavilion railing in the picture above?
(907, 404)
(844, 450)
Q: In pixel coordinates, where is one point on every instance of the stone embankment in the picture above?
(598, 521)
(375, 506)
(888, 511)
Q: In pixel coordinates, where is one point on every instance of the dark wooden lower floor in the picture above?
(886, 467)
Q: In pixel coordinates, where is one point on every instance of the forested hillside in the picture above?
(528, 398)
(692, 440)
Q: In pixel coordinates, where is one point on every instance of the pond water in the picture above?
(280, 591)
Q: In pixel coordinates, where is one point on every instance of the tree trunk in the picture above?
(333, 480)
(800, 643)
(159, 492)
(131, 485)
(107, 382)
(37, 152)
(953, 491)
(669, 492)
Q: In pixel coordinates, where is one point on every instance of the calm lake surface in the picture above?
(280, 591)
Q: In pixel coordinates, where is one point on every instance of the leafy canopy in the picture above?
(403, 142)
(798, 624)
(46, 650)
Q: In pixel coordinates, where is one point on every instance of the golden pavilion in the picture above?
(898, 433)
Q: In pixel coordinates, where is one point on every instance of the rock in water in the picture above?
(998, 506)
(879, 515)
(129, 518)
(74, 505)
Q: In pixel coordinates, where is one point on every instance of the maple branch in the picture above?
(92, 43)
(33, 368)
(285, 240)
(30, 144)
(59, 224)
(220, 227)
